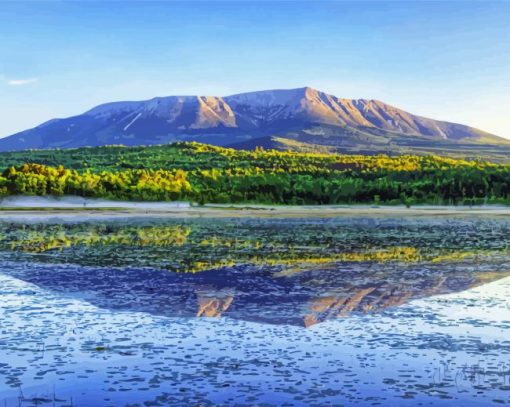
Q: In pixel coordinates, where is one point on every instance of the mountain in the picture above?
(295, 119)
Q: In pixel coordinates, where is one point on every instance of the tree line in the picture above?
(207, 174)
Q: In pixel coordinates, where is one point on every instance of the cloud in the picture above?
(20, 82)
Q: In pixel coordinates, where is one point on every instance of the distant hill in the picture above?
(302, 118)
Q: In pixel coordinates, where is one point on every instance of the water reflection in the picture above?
(298, 272)
(253, 293)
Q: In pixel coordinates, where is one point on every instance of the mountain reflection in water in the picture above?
(299, 272)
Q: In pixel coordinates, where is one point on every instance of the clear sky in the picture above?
(445, 60)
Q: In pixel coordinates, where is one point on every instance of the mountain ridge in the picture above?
(304, 115)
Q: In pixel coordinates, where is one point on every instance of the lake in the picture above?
(149, 311)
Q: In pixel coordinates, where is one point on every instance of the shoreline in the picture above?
(238, 211)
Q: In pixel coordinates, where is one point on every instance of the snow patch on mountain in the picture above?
(132, 121)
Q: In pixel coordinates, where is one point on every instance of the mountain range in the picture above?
(292, 119)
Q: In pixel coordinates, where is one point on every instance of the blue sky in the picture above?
(448, 61)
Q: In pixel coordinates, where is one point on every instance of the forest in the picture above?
(201, 173)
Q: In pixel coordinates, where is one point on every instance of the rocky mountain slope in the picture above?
(301, 118)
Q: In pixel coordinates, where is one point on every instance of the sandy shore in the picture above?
(253, 211)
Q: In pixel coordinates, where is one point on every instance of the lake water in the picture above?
(340, 311)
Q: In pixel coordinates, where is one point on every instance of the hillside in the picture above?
(208, 174)
(296, 117)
